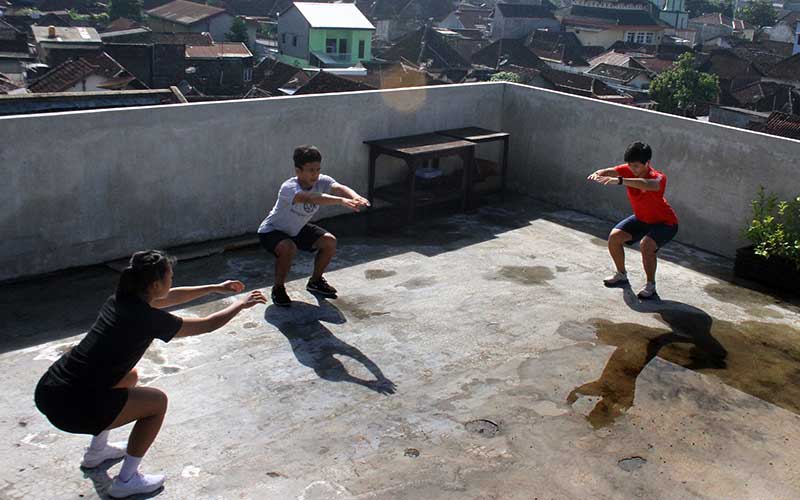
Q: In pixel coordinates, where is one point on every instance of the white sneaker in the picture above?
(138, 483)
(616, 279)
(648, 291)
(112, 451)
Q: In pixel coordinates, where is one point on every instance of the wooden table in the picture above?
(415, 150)
(480, 135)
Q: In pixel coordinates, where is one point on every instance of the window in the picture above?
(294, 40)
(362, 45)
(248, 74)
(343, 46)
(283, 37)
(648, 38)
(330, 46)
(640, 37)
(630, 37)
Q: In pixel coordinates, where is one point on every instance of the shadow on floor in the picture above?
(316, 347)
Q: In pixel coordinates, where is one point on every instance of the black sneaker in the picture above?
(321, 287)
(280, 297)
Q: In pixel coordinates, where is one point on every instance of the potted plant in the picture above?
(773, 258)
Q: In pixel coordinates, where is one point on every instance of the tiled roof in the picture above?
(326, 83)
(121, 24)
(621, 73)
(425, 47)
(763, 60)
(561, 49)
(788, 69)
(396, 75)
(507, 51)
(184, 12)
(272, 75)
(574, 83)
(411, 9)
(516, 10)
(7, 31)
(728, 65)
(782, 124)
(6, 85)
(72, 71)
(218, 50)
(555, 37)
(579, 14)
(656, 65)
(150, 38)
(716, 18)
(472, 18)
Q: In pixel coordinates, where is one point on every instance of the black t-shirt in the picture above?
(121, 334)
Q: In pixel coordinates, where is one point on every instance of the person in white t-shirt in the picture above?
(287, 226)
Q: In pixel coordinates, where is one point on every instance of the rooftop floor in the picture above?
(474, 356)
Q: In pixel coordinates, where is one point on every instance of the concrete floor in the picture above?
(474, 357)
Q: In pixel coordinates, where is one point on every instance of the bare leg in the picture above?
(616, 242)
(284, 255)
(147, 406)
(648, 247)
(326, 246)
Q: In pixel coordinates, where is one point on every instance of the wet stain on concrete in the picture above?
(249, 325)
(277, 474)
(737, 295)
(599, 243)
(562, 269)
(760, 359)
(376, 274)
(169, 370)
(411, 452)
(417, 283)
(524, 275)
(358, 309)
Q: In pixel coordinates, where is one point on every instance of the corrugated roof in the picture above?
(615, 17)
(70, 72)
(326, 83)
(333, 15)
(516, 10)
(217, 50)
(184, 12)
(622, 73)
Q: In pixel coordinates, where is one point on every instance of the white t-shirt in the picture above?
(289, 217)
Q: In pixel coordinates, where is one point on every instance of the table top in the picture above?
(474, 134)
(421, 144)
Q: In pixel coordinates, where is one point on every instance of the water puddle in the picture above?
(760, 359)
(376, 274)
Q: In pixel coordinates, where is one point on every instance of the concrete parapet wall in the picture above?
(713, 171)
(85, 187)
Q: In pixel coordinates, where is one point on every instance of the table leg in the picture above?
(412, 178)
(468, 159)
(505, 165)
(373, 156)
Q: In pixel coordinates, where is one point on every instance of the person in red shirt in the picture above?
(653, 223)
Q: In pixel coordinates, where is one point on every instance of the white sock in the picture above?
(129, 467)
(99, 441)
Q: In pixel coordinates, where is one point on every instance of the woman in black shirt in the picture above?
(92, 388)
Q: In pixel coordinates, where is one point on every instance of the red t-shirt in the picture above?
(649, 206)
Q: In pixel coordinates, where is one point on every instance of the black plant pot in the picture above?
(775, 272)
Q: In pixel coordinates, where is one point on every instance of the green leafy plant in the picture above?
(775, 227)
(506, 76)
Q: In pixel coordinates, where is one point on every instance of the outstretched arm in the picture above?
(328, 199)
(183, 294)
(196, 326)
(348, 192)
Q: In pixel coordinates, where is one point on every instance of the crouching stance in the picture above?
(92, 388)
(653, 223)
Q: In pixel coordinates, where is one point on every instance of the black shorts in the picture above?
(79, 410)
(304, 240)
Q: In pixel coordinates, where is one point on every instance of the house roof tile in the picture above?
(782, 124)
(579, 14)
(185, 12)
(326, 83)
(528, 11)
(70, 72)
(507, 51)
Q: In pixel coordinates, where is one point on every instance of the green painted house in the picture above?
(326, 35)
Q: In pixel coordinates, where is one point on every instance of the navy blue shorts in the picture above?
(660, 233)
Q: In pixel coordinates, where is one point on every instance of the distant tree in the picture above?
(682, 87)
(700, 7)
(131, 9)
(238, 32)
(758, 13)
(506, 76)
